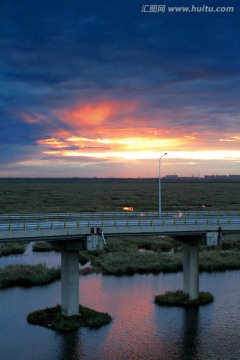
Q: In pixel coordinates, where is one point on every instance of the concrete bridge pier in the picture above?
(191, 270)
(69, 275)
(70, 282)
(70, 268)
(191, 263)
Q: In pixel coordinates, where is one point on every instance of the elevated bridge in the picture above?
(72, 232)
(69, 226)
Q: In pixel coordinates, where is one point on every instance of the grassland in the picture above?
(113, 194)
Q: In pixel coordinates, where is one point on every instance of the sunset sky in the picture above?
(99, 88)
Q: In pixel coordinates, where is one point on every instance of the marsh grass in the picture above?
(7, 249)
(28, 275)
(43, 246)
(52, 318)
(179, 298)
(219, 260)
(135, 262)
(129, 255)
(121, 256)
(112, 194)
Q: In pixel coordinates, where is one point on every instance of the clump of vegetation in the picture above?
(153, 254)
(43, 246)
(126, 256)
(218, 260)
(231, 244)
(128, 263)
(12, 249)
(179, 298)
(28, 275)
(83, 258)
(52, 318)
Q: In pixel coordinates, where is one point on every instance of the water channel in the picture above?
(140, 329)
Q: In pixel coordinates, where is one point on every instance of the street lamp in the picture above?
(159, 186)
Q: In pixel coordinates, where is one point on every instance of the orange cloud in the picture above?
(32, 119)
(118, 130)
(95, 115)
(53, 142)
(86, 114)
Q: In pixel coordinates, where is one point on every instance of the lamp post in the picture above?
(159, 186)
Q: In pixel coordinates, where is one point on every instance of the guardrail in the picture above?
(118, 214)
(55, 225)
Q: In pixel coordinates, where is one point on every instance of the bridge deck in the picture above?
(168, 225)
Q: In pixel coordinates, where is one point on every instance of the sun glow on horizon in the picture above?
(102, 135)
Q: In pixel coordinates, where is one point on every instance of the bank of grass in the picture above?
(127, 256)
(154, 254)
(179, 298)
(219, 260)
(132, 262)
(52, 318)
(12, 249)
(28, 275)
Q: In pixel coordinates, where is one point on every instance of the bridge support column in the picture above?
(70, 282)
(191, 270)
(70, 274)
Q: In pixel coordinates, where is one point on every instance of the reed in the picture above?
(179, 298)
(52, 318)
(126, 256)
(43, 246)
(112, 194)
(28, 275)
(12, 249)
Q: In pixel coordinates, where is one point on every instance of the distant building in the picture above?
(234, 177)
(215, 177)
(206, 178)
(171, 177)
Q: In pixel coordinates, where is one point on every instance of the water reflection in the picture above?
(140, 329)
(139, 326)
(70, 346)
(190, 338)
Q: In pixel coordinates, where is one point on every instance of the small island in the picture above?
(53, 319)
(179, 298)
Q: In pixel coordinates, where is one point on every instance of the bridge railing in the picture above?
(118, 214)
(103, 223)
